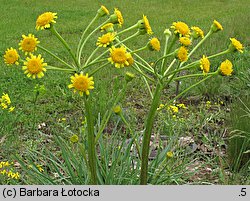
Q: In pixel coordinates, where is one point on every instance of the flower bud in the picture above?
(129, 76)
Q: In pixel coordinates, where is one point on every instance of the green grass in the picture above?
(19, 130)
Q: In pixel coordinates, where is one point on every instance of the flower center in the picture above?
(28, 44)
(119, 55)
(34, 66)
(81, 83)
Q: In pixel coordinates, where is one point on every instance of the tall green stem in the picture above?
(91, 141)
(54, 31)
(147, 133)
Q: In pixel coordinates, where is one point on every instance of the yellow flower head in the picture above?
(105, 40)
(182, 54)
(45, 20)
(173, 109)
(11, 56)
(74, 138)
(119, 56)
(28, 44)
(117, 18)
(145, 26)
(117, 109)
(236, 45)
(39, 167)
(181, 29)
(130, 59)
(226, 68)
(129, 76)
(205, 64)
(154, 44)
(103, 11)
(34, 66)
(109, 27)
(170, 154)
(5, 102)
(81, 83)
(216, 26)
(197, 32)
(11, 109)
(185, 41)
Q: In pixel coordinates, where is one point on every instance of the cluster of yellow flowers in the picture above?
(5, 170)
(5, 103)
(186, 37)
(119, 55)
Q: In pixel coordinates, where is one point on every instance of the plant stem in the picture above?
(92, 73)
(140, 49)
(218, 54)
(54, 31)
(147, 133)
(195, 75)
(85, 31)
(87, 38)
(128, 29)
(187, 89)
(199, 44)
(59, 69)
(164, 54)
(91, 141)
(53, 55)
(92, 54)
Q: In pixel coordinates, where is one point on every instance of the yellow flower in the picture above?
(130, 59)
(117, 109)
(34, 66)
(197, 32)
(105, 39)
(226, 68)
(103, 11)
(129, 76)
(181, 105)
(11, 56)
(170, 154)
(117, 18)
(146, 26)
(154, 44)
(173, 109)
(39, 167)
(109, 27)
(205, 64)
(74, 138)
(185, 41)
(28, 44)
(182, 54)
(5, 102)
(11, 109)
(118, 56)
(181, 28)
(81, 83)
(45, 20)
(216, 26)
(236, 45)
(161, 106)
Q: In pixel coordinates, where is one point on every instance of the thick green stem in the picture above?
(54, 31)
(164, 54)
(53, 55)
(91, 141)
(147, 133)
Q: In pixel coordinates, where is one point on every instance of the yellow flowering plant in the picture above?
(111, 49)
